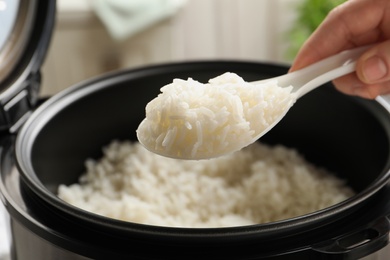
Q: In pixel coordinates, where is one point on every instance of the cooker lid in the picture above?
(25, 32)
(16, 19)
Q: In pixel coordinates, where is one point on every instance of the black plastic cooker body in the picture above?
(44, 146)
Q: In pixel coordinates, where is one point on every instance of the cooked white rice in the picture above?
(192, 120)
(258, 184)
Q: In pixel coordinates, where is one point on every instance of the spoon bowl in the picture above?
(170, 134)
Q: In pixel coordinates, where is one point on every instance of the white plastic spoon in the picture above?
(168, 138)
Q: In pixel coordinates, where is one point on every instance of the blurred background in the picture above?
(97, 36)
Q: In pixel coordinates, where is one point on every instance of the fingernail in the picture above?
(374, 69)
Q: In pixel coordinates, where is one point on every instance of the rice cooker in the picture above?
(45, 144)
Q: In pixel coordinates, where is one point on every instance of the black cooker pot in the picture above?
(347, 135)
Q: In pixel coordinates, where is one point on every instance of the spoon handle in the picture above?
(348, 67)
(312, 76)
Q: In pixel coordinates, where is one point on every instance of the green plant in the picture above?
(310, 14)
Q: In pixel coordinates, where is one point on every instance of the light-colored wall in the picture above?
(203, 29)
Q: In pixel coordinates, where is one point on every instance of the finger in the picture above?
(373, 66)
(352, 85)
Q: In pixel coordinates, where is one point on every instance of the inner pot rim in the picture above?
(43, 114)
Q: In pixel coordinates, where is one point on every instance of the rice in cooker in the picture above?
(257, 184)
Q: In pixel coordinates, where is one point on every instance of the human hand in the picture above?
(352, 24)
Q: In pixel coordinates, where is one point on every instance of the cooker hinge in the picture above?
(17, 110)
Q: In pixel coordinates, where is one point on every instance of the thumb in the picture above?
(374, 65)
